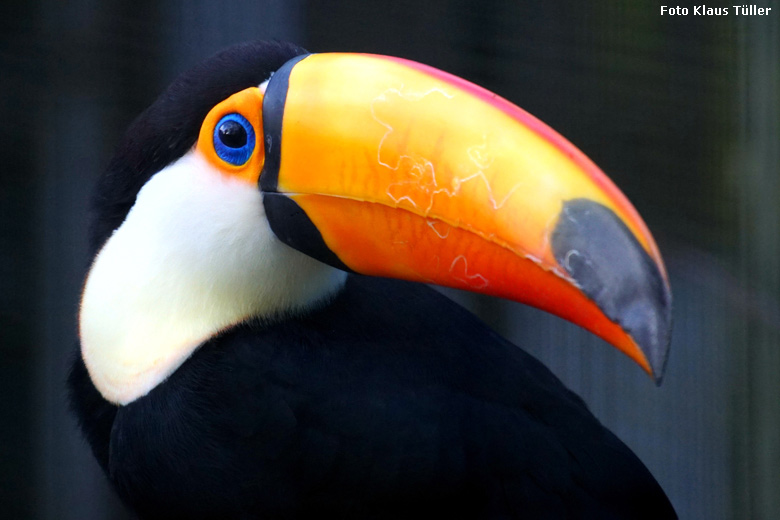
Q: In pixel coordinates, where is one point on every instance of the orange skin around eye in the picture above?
(248, 103)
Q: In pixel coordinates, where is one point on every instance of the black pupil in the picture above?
(232, 134)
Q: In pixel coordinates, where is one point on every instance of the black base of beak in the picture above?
(292, 226)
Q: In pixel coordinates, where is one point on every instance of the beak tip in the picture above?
(612, 268)
(648, 321)
(658, 366)
(657, 350)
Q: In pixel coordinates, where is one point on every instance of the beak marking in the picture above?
(292, 226)
(273, 113)
(432, 225)
(422, 172)
(611, 267)
(475, 281)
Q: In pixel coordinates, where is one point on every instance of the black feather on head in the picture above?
(166, 130)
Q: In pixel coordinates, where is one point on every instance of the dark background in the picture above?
(682, 112)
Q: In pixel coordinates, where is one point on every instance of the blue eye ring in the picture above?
(234, 139)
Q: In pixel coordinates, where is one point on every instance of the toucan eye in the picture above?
(234, 139)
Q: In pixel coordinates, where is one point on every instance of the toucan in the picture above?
(257, 334)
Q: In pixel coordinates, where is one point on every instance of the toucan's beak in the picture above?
(390, 168)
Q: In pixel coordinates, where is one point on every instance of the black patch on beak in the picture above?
(293, 226)
(613, 269)
(273, 113)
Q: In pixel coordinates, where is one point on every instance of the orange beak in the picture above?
(386, 167)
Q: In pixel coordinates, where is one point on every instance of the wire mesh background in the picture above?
(682, 112)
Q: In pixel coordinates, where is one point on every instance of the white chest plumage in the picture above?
(194, 256)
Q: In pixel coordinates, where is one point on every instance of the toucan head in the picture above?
(262, 176)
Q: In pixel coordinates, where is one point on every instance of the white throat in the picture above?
(194, 256)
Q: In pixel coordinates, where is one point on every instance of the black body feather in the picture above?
(391, 402)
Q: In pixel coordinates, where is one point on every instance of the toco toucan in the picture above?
(256, 336)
